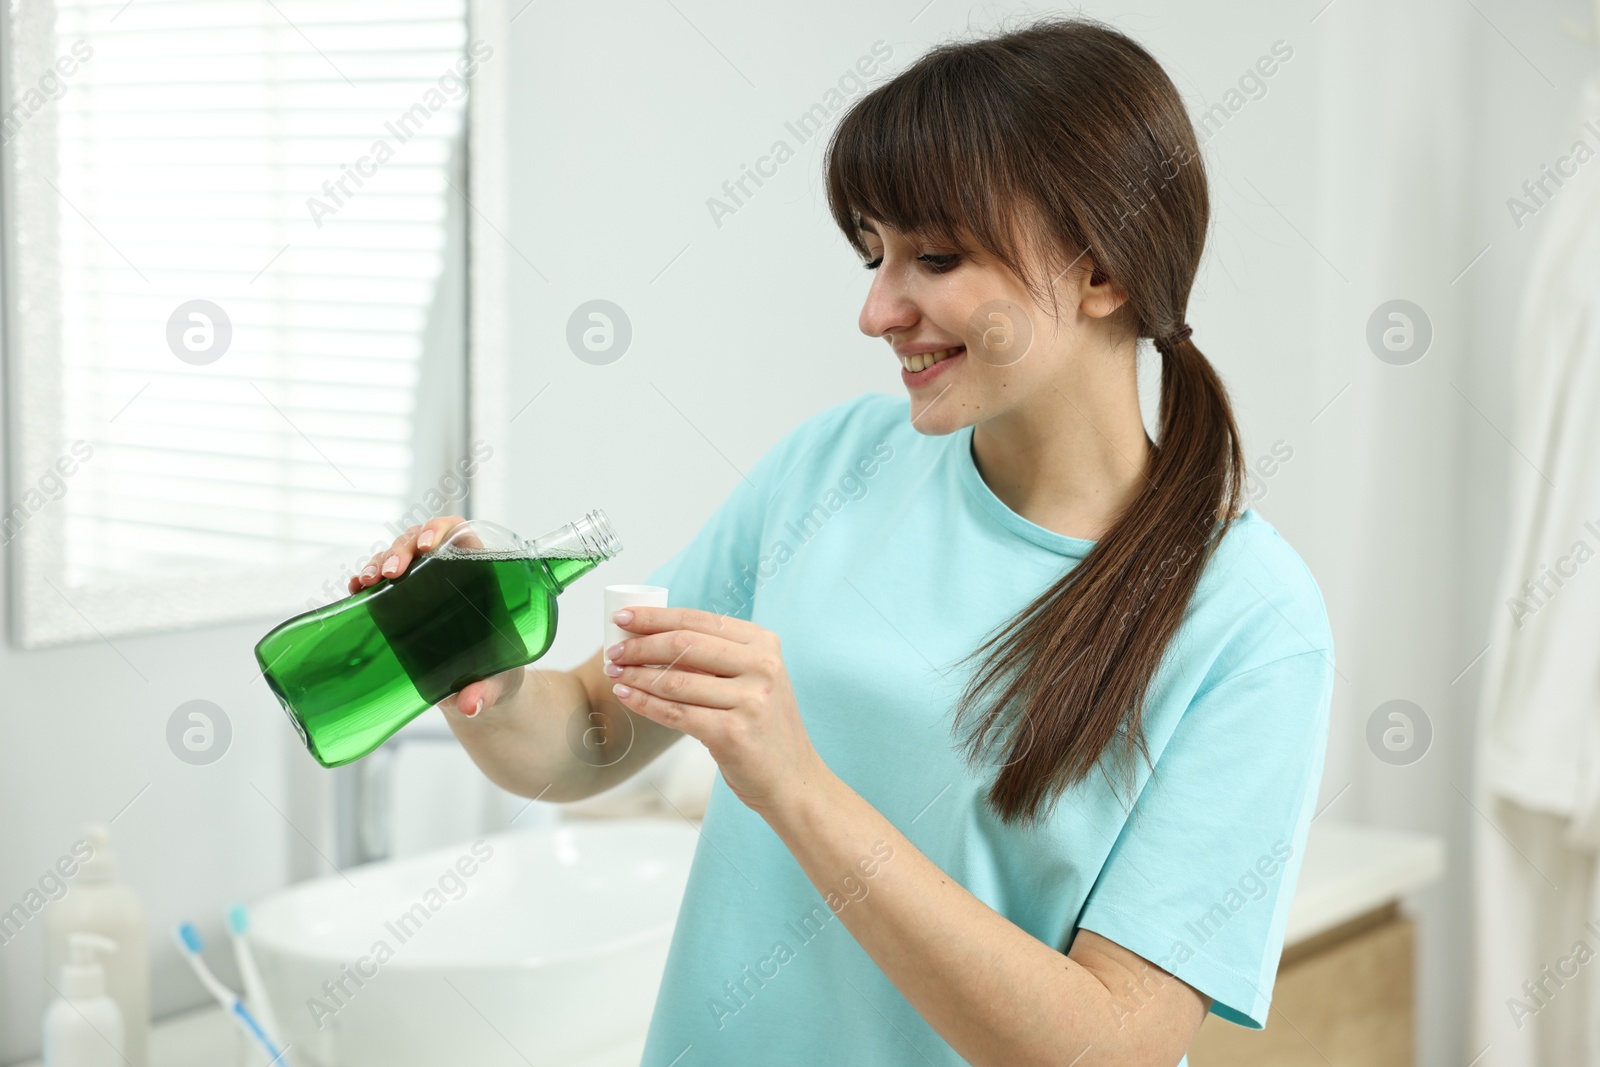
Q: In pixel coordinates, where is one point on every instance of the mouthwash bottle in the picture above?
(353, 672)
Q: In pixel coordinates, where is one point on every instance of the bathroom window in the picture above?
(235, 301)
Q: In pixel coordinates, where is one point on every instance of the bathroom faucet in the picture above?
(361, 810)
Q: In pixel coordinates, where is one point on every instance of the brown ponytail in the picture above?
(1078, 126)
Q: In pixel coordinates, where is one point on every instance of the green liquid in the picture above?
(352, 673)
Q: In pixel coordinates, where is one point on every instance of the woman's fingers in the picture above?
(682, 649)
(393, 561)
(698, 722)
(479, 697)
(650, 620)
(686, 687)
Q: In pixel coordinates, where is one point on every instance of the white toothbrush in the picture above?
(255, 990)
(190, 943)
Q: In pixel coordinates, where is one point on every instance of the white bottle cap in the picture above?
(82, 977)
(628, 596)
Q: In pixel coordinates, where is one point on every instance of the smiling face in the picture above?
(972, 342)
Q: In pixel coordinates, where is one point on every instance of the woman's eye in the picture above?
(937, 263)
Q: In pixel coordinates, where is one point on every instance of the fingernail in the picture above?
(475, 710)
(614, 651)
(391, 565)
(426, 539)
(613, 670)
(369, 571)
(623, 617)
(622, 690)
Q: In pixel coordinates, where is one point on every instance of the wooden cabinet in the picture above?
(1344, 997)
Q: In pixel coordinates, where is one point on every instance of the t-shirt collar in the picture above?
(995, 508)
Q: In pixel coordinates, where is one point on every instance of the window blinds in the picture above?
(254, 205)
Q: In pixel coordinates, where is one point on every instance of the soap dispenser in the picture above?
(97, 903)
(83, 1026)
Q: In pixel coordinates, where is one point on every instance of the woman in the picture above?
(1028, 777)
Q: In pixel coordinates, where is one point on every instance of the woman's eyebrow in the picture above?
(863, 224)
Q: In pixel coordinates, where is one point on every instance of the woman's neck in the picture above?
(1072, 456)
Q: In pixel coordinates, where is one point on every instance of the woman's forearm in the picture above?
(548, 740)
(995, 993)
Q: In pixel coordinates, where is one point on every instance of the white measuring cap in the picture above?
(628, 596)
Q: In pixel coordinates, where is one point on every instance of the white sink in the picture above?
(548, 953)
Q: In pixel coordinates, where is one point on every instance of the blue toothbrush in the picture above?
(190, 944)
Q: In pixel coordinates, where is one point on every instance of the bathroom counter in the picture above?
(201, 1038)
(1351, 870)
(1345, 902)
(1345, 987)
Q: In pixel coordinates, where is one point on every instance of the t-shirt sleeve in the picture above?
(1200, 879)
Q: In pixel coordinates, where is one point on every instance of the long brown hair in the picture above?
(1073, 126)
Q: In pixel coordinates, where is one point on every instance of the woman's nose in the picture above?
(887, 309)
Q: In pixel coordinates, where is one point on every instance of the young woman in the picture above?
(1028, 777)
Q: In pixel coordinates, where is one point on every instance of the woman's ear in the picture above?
(1102, 296)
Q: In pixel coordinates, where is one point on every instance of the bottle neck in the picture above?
(567, 571)
(577, 548)
(84, 981)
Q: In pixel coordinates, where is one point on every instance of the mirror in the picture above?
(235, 299)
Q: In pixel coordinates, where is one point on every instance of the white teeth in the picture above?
(924, 360)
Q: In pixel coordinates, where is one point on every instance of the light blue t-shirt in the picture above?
(880, 557)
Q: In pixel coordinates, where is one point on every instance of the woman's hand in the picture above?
(723, 683)
(393, 561)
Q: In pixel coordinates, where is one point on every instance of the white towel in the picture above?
(1538, 781)
(1540, 722)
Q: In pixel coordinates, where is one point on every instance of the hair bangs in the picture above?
(922, 154)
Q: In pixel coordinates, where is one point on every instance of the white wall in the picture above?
(1382, 152)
